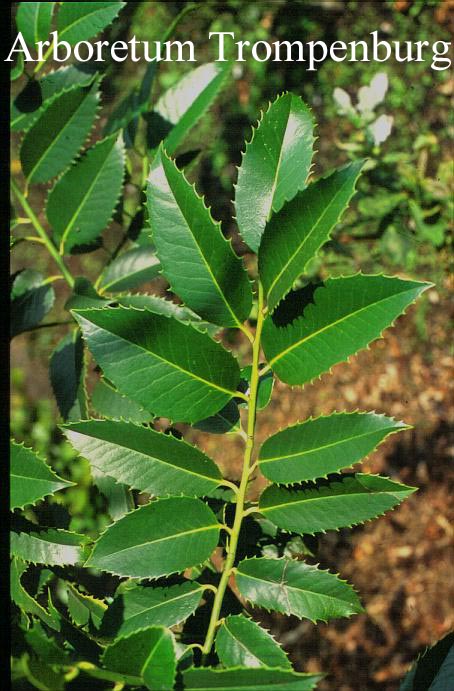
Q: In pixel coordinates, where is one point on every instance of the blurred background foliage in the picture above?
(399, 115)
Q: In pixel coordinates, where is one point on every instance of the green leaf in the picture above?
(168, 367)
(31, 478)
(149, 654)
(129, 270)
(225, 420)
(79, 21)
(342, 504)
(295, 588)
(23, 599)
(294, 236)
(119, 498)
(31, 299)
(44, 647)
(314, 448)
(109, 403)
(82, 201)
(125, 115)
(345, 315)
(42, 676)
(265, 386)
(67, 375)
(241, 679)
(54, 139)
(144, 459)
(158, 305)
(33, 21)
(275, 165)
(140, 607)
(85, 296)
(240, 641)
(164, 537)
(32, 100)
(434, 669)
(84, 610)
(183, 104)
(47, 545)
(205, 273)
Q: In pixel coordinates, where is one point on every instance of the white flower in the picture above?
(370, 96)
(342, 99)
(381, 128)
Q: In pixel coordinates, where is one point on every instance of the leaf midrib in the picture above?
(163, 603)
(325, 446)
(333, 496)
(242, 645)
(68, 27)
(333, 324)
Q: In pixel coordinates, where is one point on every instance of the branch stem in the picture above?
(239, 512)
(43, 235)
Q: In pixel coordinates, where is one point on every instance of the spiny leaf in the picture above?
(31, 299)
(23, 599)
(84, 610)
(139, 607)
(293, 236)
(265, 386)
(345, 315)
(129, 270)
(79, 21)
(31, 478)
(205, 273)
(149, 654)
(47, 545)
(183, 104)
(225, 420)
(275, 165)
(55, 138)
(85, 296)
(158, 305)
(82, 201)
(241, 679)
(33, 20)
(109, 403)
(240, 641)
(44, 647)
(168, 367)
(293, 587)
(348, 502)
(315, 448)
(144, 459)
(164, 537)
(32, 100)
(434, 669)
(67, 374)
(118, 496)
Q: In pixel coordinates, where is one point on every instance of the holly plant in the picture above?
(169, 595)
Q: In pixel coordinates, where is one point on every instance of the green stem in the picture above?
(239, 512)
(45, 59)
(43, 235)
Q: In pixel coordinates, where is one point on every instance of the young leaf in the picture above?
(144, 459)
(55, 138)
(82, 201)
(240, 641)
(275, 165)
(109, 403)
(168, 367)
(314, 448)
(348, 502)
(33, 20)
(79, 21)
(140, 607)
(293, 587)
(129, 270)
(47, 545)
(67, 374)
(149, 654)
(164, 537)
(31, 299)
(347, 313)
(31, 478)
(32, 100)
(241, 678)
(84, 610)
(183, 104)
(206, 273)
(293, 236)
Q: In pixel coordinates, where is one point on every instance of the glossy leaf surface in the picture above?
(166, 366)
(275, 165)
(315, 448)
(163, 537)
(47, 546)
(144, 459)
(109, 403)
(205, 272)
(348, 502)
(241, 679)
(293, 587)
(31, 478)
(33, 20)
(129, 270)
(67, 372)
(240, 641)
(345, 315)
(31, 299)
(79, 21)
